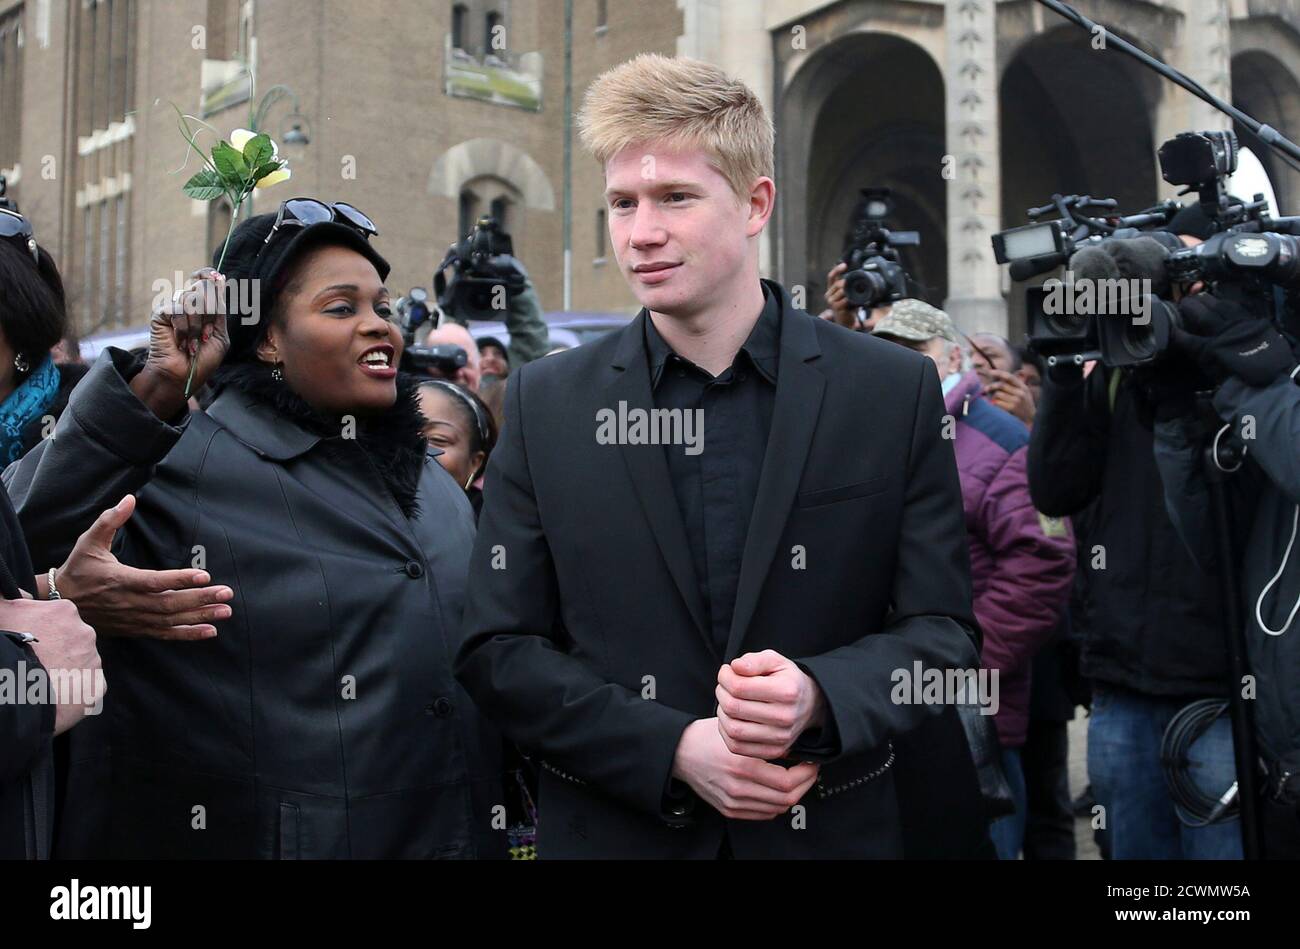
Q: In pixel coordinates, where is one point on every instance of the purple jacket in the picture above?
(1021, 562)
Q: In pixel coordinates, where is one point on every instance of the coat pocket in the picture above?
(289, 834)
(848, 492)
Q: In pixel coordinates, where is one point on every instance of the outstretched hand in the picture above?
(118, 600)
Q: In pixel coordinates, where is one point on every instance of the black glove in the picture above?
(1225, 339)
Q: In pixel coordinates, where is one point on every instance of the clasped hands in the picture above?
(765, 702)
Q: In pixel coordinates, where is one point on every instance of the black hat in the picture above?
(272, 266)
(493, 341)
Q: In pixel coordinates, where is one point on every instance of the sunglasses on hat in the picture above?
(18, 229)
(304, 212)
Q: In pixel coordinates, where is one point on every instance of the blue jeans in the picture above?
(1008, 832)
(1124, 733)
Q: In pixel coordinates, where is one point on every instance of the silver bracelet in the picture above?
(53, 593)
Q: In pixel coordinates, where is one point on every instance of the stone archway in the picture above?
(839, 130)
(491, 158)
(1074, 120)
(1266, 85)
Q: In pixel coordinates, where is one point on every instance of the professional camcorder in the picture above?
(875, 276)
(486, 276)
(1114, 303)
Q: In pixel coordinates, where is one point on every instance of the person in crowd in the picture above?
(658, 640)
(1022, 564)
(1253, 369)
(494, 361)
(67, 351)
(467, 376)
(1056, 689)
(460, 427)
(322, 720)
(493, 394)
(33, 387)
(47, 619)
(1031, 371)
(999, 365)
(1154, 640)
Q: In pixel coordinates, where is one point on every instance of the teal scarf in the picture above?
(29, 401)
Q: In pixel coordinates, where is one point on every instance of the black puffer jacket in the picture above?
(1154, 620)
(323, 721)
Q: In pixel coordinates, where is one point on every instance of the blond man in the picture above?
(711, 539)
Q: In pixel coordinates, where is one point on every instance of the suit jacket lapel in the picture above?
(648, 470)
(799, 388)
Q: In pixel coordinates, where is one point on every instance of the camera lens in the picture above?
(1139, 342)
(1063, 325)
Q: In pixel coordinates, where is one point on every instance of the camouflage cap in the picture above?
(916, 320)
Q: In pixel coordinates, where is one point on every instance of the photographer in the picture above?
(1258, 397)
(840, 310)
(483, 266)
(1154, 641)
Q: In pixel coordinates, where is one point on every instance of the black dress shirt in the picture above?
(716, 488)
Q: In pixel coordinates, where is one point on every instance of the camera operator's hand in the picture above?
(1226, 339)
(842, 312)
(196, 312)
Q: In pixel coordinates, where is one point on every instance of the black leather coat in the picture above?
(323, 721)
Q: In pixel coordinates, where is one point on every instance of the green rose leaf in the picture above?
(230, 165)
(267, 168)
(258, 151)
(205, 186)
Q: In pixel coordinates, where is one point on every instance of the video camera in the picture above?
(875, 276)
(485, 274)
(413, 312)
(1250, 255)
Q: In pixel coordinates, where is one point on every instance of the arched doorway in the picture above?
(839, 130)
(1074, 120)
(1265, 89)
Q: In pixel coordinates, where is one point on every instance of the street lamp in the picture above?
(299, 129)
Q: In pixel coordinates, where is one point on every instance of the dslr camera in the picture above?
(875, 275)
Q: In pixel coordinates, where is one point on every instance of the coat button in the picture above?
(414, 569)
(677, 810)
(442, 706)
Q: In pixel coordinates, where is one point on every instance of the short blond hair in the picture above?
(684, 103)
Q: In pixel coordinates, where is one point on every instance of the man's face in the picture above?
(456, 335)
(988, 354)
(680, 234)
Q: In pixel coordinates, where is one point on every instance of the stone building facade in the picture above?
(427, 113)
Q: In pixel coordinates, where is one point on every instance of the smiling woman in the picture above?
(308, 489)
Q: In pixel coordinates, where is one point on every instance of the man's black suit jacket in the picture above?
(585, 637)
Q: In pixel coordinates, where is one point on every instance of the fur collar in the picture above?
(393, 441)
